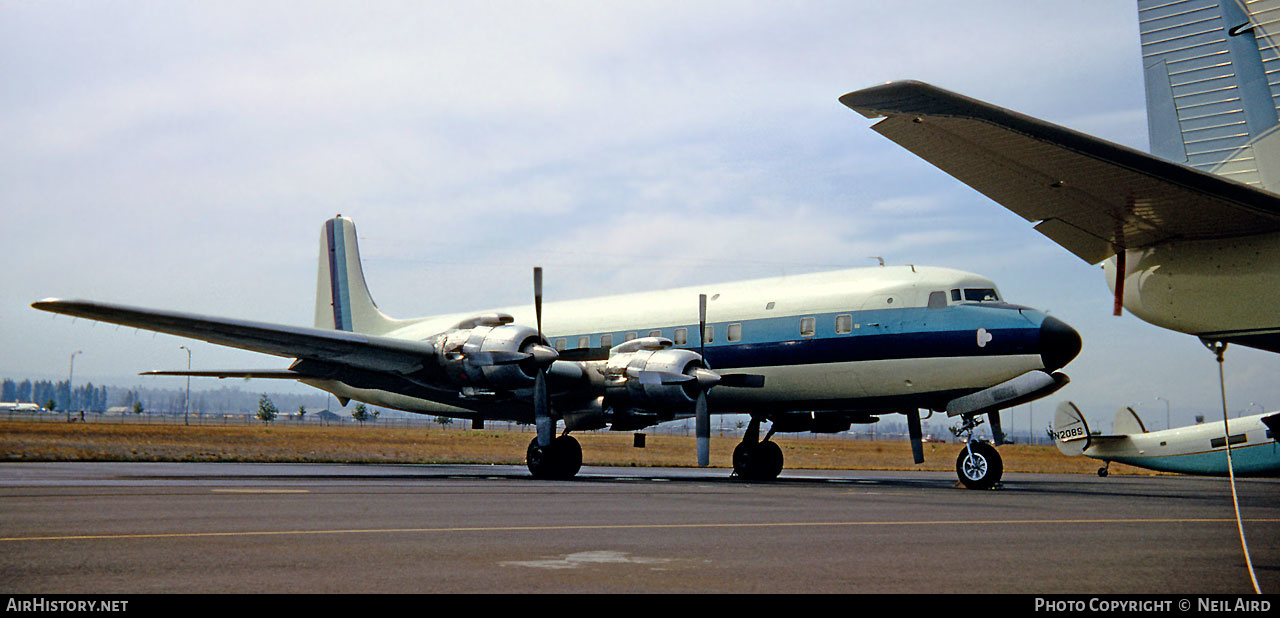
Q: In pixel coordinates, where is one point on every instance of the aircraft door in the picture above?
(881, 313)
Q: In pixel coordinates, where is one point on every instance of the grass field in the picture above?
(29, 441)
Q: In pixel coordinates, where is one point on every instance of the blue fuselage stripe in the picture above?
(879, 335)
(1245, 460)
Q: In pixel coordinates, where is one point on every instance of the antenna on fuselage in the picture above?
(876, 257)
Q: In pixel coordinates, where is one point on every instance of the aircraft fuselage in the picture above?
(879, 339)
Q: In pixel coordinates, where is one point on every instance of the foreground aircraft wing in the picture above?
(1087, 194)
(333, 346)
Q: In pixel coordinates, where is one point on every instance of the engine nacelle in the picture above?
(488, 356)
(646, 379)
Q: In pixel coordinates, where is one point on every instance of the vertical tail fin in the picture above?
(1070, 431)
(1127, 422)
(1209, 102)
(342, 297)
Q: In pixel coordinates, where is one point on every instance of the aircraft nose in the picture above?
(1059, 343)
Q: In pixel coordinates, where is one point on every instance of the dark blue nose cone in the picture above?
(1059, 343)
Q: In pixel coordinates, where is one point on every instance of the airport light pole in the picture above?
(1167, 424)
(186, 402)
(71, 389)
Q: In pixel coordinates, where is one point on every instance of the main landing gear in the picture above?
(559, 461)
(979, 465)
(756, 460)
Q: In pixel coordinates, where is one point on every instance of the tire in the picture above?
(561, 460)
(979, 466)
(757, 462)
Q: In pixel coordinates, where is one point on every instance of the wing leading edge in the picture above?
(1087, 194)
(369, 352)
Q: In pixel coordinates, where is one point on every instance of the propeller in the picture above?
(702, 416)
(707, 379)
(544, 356)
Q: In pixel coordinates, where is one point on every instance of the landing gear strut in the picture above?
(979, 465)
(558, 461)
(756, 460)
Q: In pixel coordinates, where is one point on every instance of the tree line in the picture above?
(94, 398)
(55, 395)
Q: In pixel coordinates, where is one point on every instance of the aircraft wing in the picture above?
(1086, 194)
(382, 354)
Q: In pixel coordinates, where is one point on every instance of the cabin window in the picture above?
(769, 306)
(655, 333)
(1219, 442)
(807, 326)
(709, 334)
(937, 300)
(584, 341)
(682, 336)
(980, 294)
(735, 332)
(844, 324)
(606, 341)
(561, 344)
(629, 337)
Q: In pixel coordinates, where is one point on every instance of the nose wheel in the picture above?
(979, 465)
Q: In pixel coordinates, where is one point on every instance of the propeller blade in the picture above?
(537, 297)
(742, 380)
(703, 429)
(702, 326)
(542, 410)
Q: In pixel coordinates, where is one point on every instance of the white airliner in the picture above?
(1195, 229)
(1198, 449)
(814, 352)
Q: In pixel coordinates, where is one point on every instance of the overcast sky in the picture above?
(184, 156)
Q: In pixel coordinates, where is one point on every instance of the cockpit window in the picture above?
(980, 295)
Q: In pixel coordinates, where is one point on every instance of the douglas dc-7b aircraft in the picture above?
(1198, 449)
(814, 352)
(1195, 229)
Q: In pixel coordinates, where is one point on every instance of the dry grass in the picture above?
(30, 441)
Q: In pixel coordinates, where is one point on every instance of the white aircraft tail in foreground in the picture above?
(1198, 449)
(1189, 236)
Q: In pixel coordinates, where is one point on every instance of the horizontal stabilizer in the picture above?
(270, 374)
(1071, 432)
(331, 346)
(1087, 194)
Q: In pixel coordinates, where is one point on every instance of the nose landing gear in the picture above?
(979, 465)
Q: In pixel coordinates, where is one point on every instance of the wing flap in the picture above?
(353, 349)
(1087, 194)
